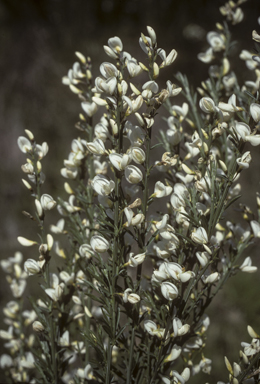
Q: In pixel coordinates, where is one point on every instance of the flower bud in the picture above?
(39, 208)
(37, 326)
(26, 242)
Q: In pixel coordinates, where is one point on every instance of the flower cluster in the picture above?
(144, 243)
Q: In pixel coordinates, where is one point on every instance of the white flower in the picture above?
(256, 36)
(230, 106)
(181, 378)
(5, 361)
(106, 85)
(247, 266)
(87, 373)
(178, 328)
(255, 228)
(173, 134)
(243, 131)
(131, 219)
(134, 261)
(101, 131)
(138, 155)
(152, 34)
(255, 112)
(181, 111)
(89, 108)
(26, 242)
(102, 185)
(245, 160)
(216, 41)
(115, 44)
(18, 287)
(96, 147)
(99, 243)
(133, 67)
(130, 297)
(108, 70)
(143, 45)
(206, 57)
(24, 144)
(212, 278)
(153, 330)
(151, 85)
(47, 202)
(119, 161)
(55, 293)
(161, 190)
(85, 250)
(175, 271)
(175, 353)
(133, 174)
(200, 236)
(59, 227)
(177, 201)
(32, 267)
(207, 105)
(169, 291)
(169, 59)
(203, 258)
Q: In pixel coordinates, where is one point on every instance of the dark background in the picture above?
(38, 39)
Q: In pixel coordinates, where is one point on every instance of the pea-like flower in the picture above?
(169, 59)
(247, 266)
(47, 202)
(216, 41)
(99, 243)
(130, 297)
(207, 105)
(24, 144)
(136, 260)
(175, 353)
(119, 161)
(169, 291)
(32, 267)
(244, 160)
(133, 67)
(200, 236)
(102, 185)
(161, 190)
(133, 174)
(153, 330)
(106, 85)
(85, 250)
(243, 132)
(178, 328)
(90, 108)
(255, 112)
(108, 70)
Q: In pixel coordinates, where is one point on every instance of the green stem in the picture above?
(53, 349)
(129, 368)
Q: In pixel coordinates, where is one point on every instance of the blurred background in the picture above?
(38, 39)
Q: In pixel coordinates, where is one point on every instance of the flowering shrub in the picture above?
(147, 244)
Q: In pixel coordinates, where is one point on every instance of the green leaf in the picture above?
(232, 201)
